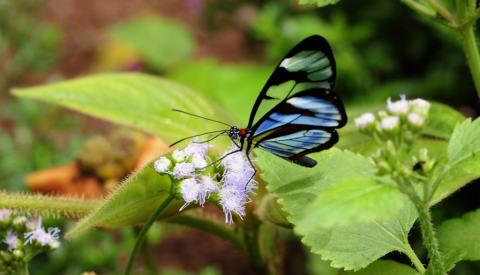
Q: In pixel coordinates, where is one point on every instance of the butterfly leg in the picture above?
(251, 164)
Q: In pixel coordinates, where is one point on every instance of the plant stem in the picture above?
(471, 52)
(426, 226)
(143, 232)
(442, 11)
(251, 226)
(413, 257)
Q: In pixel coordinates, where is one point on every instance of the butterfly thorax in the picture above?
(238, 133)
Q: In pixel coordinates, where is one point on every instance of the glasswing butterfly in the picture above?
(297, 111)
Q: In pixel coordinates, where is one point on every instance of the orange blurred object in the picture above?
(68, 180)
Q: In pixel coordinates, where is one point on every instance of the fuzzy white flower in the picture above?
(190, 190)
(234, 161)
(183, 170)
(178, 156)
(39, 235)
(196, 147)
(11, 240)
(32, 224)
(232, 200)
(399, 107)
(4, 214)
(162, 165)
(420, 106)
(199, 161)
(416, 119)
(390, 123)
(364, 120)
(208, 186)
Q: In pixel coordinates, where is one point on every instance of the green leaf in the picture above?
(320, 3)
(463, 159)
(442, 120)
(226, 84)
(349, 247)
(131, 203)
(350, 202)
(450, 258)
(384, 267)
(160, 42)
(138, 100)
(461, 234)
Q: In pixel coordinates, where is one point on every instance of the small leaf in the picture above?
(463, 159)
(320, 3)
(160, 42)
(450, 258)
(461, 234)
(350, 202)
(349, 247)
(138, 100)
(383, 267)
(131, 203)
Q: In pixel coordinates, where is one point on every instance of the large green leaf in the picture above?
(352, 201)
(463, 159)
(235, 87)
(349, 247)
(138, 100)
(461, 234)
(382, 267)
(160, 42)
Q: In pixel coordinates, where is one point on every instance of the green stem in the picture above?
(251, 226)
(413, 257)
(471, 52)
(24, 271)
(426, 227)
(147, 255)
(209, 227)
(143, 232)
(442, 11)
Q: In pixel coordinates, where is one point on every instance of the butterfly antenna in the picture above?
(175, 110)
(197, 136)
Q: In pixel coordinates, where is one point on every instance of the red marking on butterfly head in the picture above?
(242, 132)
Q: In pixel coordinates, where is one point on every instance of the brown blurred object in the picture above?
(104, 161)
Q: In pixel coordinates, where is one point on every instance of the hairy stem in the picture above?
(442, 11)
(471, 52)
(426, 227)
(143, 232)
(413, 257)
(47, 205)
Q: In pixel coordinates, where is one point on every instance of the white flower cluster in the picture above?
(24, 237)
(233, 189)
(413, 111)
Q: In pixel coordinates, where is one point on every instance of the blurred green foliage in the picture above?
(25, 43)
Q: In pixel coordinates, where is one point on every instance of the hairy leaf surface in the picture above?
(349, 247)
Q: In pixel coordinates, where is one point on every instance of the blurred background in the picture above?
(226, 50)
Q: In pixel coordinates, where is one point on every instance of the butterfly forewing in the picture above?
(308, 65)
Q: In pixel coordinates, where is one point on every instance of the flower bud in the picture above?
(183, 170)
(399, 107)
(382, 114)
(415, 122)
(365, 123)
(7, 257)
(420, 107)
(390, 123)
(423, 155)
(53, 245)
(19, 224)
(18, 254)
(384, 168)
(178, 156)
(6, 218)
(391, 148)
(162, 165)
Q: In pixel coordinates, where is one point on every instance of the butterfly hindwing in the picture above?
(301, 124)
(308, 65)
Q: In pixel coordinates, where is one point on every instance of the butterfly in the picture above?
(297, 111)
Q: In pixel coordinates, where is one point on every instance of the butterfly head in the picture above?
(236, 133)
